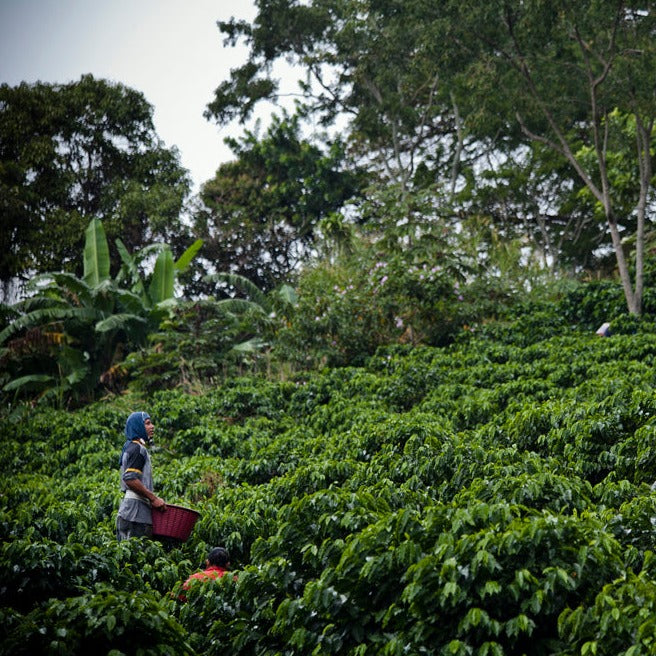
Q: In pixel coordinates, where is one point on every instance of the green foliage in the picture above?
(391, 84)
(531, 116)
(96, 254)
(592, 304)
(621, 620)
(77, 151)
(259, 213)
(407, 278)
(347, 309)
(190, 348)
(105, 619)
(67, 339)
(202, 342)
(493, 496)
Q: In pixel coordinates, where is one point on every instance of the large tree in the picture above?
(374, 64)
(259, 213)
(77, 151)
(436, 83)
(572, 76)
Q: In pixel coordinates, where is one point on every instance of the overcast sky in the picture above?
(170, 50)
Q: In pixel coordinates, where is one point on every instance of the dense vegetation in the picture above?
(74, 152)
(491, 497)
(442, 162)
(369, 352)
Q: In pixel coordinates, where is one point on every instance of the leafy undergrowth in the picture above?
(489, 498)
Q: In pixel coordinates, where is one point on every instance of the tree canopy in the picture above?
(259, 213)
(77, 151)
(371, 63)
(445, 93)
(573, 74)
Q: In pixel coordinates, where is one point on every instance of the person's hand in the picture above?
(158, 503)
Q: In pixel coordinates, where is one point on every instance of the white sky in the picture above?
(170, 50)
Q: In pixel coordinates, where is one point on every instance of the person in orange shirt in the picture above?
(216, 566)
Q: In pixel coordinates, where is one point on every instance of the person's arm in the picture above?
(137, 486)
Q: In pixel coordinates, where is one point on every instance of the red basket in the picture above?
(174, 522)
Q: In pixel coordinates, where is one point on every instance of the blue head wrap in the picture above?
(135, 429)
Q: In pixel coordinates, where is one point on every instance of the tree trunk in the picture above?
(633, 300)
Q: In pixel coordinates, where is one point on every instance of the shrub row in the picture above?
(490, 497)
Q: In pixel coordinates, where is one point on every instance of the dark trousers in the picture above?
(126, 529)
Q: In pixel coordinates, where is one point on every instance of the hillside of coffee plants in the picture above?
(492, 497)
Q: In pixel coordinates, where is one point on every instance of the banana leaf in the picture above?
(242, 284)
(162, 283)
(96, 254)
(33, 381)
(185, 259)
(47, 315)
(118, 321)
(130, 266)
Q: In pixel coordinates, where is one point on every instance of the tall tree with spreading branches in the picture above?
(73, 152)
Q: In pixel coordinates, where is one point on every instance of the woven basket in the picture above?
(174, 522)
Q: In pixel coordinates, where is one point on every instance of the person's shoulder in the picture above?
(198, 576)
(136, 447)
(216, 573)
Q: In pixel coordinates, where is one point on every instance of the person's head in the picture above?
(139, 427)
(219, 557)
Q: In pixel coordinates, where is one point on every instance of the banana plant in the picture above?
(97, 320)
(160, 290)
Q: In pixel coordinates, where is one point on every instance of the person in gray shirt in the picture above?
(135, 512)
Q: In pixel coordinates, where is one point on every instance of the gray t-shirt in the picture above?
(135, 464)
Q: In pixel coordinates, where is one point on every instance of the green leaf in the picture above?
(162, 282)
(130, 266)
(491, 588)
(33, 381)
(250, 346)
(288, 294)
(47, 315)
(240, 305)
(78, 374)
(96, 254)
(241, 283)
(118, 321)
(185, 259)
